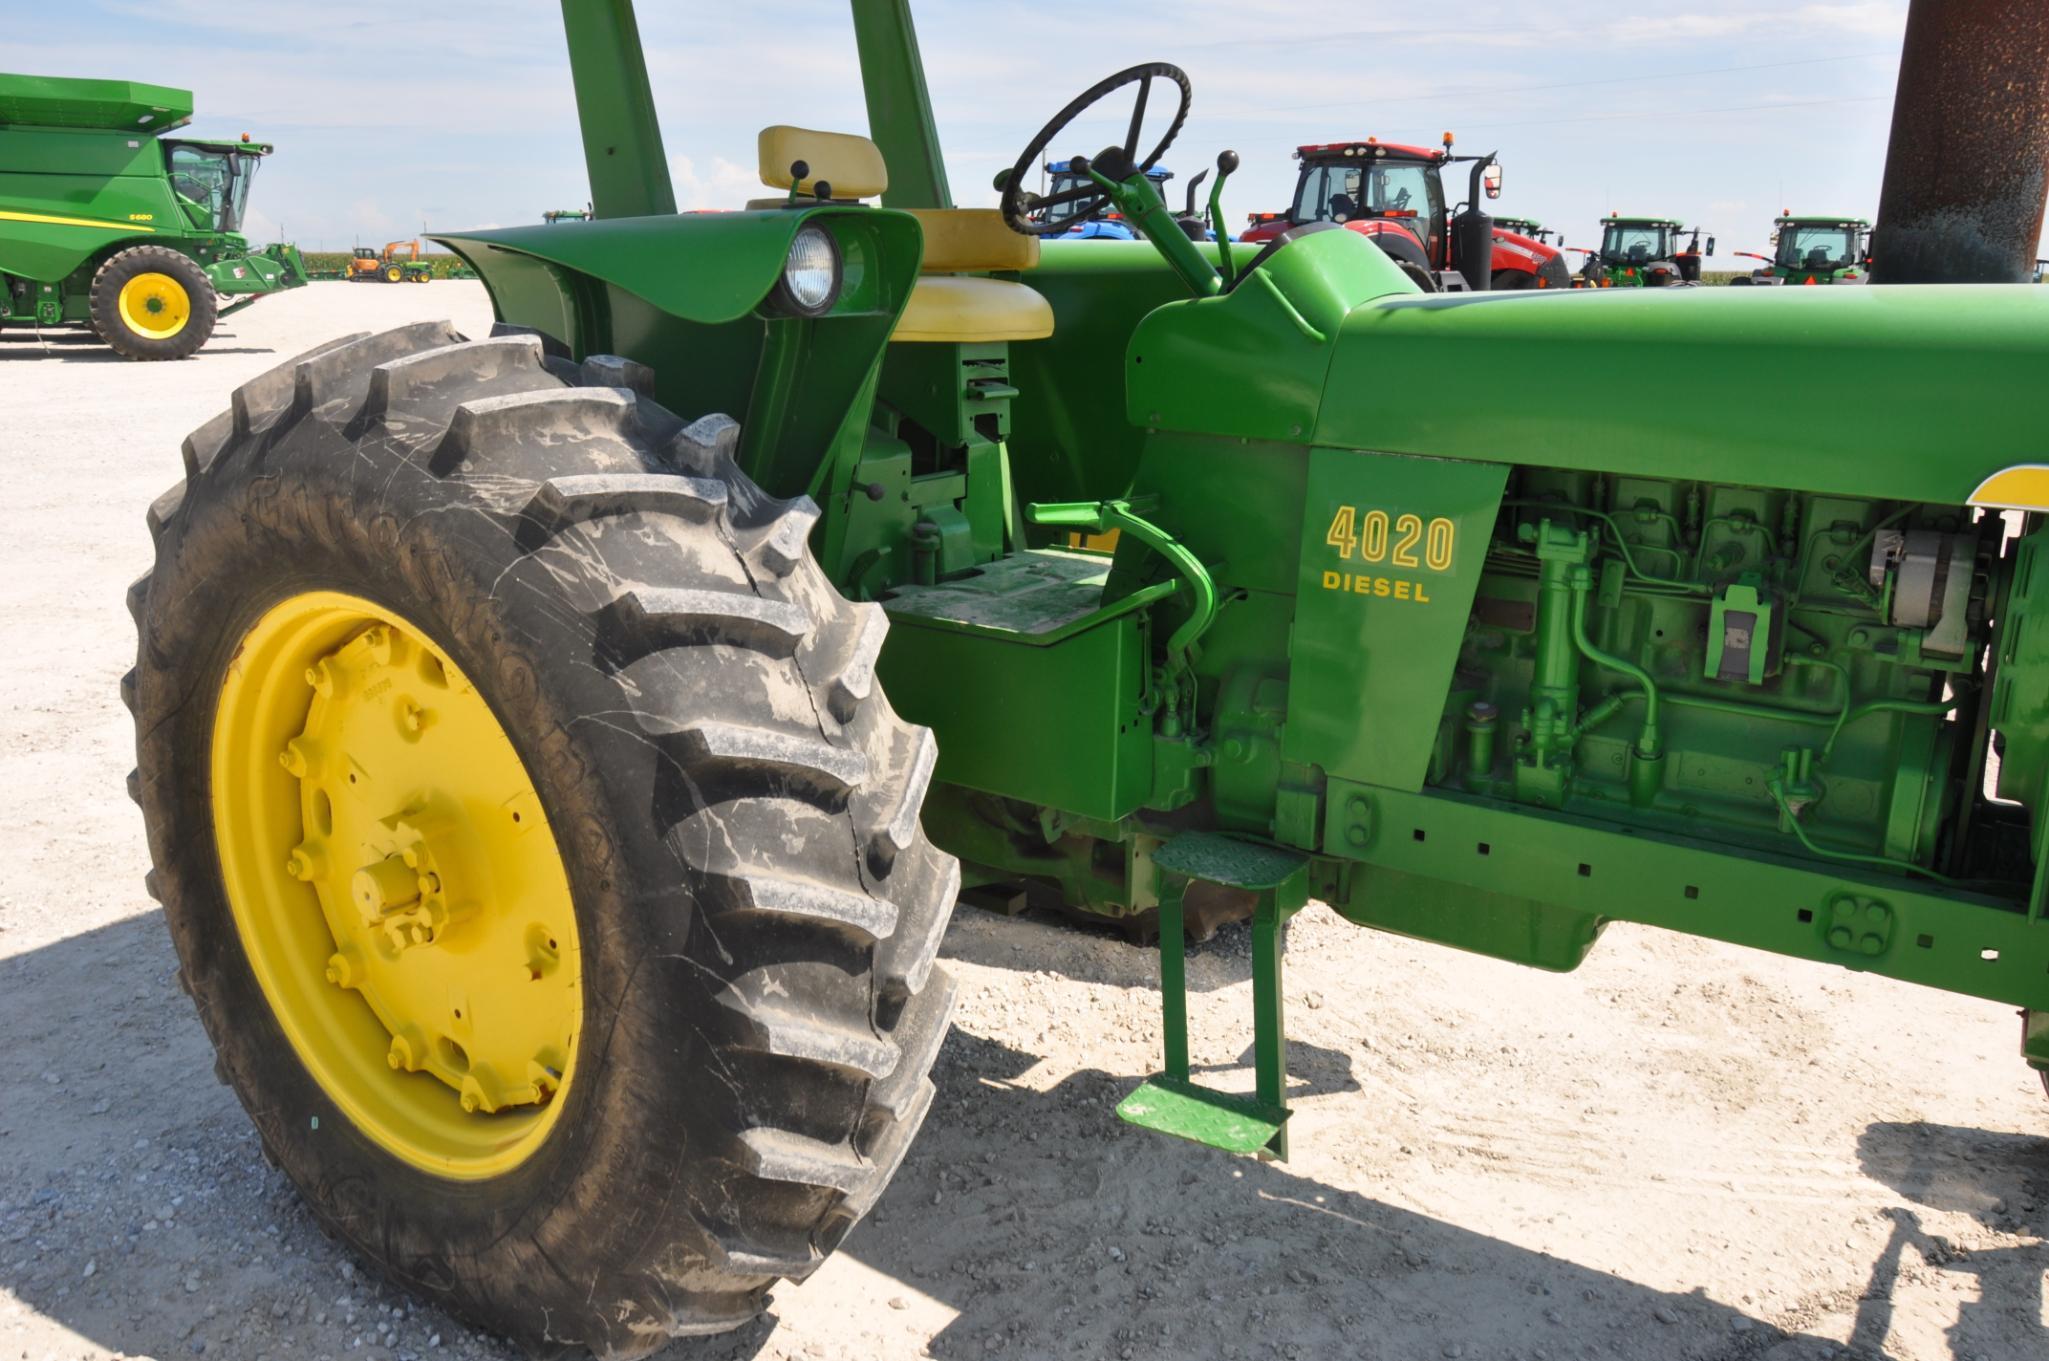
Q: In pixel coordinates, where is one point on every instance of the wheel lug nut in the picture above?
(299, 757)
(342, 970)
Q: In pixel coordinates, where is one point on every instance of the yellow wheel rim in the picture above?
(154, 305)
(396, 886)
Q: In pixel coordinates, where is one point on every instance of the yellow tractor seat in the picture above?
(944, 307)
(969, 311)
(852, 166)
(972, 241)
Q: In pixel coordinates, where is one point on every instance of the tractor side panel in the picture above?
(1392, 549)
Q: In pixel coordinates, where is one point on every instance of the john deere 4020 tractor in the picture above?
(561, 749)
(108, 223)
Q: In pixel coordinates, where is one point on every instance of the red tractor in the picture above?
(1394, 194)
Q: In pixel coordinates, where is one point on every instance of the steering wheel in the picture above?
(1088, 198)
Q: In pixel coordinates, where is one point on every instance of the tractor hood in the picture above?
(1821, 390)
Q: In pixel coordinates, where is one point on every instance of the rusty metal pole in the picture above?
(1968, 164)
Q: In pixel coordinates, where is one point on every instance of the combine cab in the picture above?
(1813, 250)
(1646, 252)
(110, 225)
(1394, 196)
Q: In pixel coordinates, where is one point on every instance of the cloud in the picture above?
(724, 185)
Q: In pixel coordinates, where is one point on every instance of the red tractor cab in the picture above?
(1394, 195)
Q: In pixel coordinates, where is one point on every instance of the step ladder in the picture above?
(1171, 1102)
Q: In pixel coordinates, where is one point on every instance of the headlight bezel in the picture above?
(786, 300)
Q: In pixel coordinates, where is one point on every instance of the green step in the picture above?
(1235, 1124)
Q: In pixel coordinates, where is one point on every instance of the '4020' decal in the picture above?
(1376, 538)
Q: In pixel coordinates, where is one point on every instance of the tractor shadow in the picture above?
(1051, 1228)
(2000, 1180)
(1026, 1220)
(75, 347)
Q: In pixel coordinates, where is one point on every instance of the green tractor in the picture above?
(1533, 229)
(110, 224)
(561, 749)
(1810, 250)
(1645, 252)
(554, 215)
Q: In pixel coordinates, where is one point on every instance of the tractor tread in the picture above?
(899, 828)
(396, 379)
(789, 1035)
(165, 509)
(918, 1036)
(333, 374)
(780, 1155)
(908, 956)
(204, 445)
(812, 762)
(564, 501)
(854, 677)
(769, 893)
(613, 371)
(668, 616)
(782, 548)
(890, 1146)
(258, 403)
(492, 422)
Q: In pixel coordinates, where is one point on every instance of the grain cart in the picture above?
(561, 749)
(1394, 195)
(109, 224)
(1646, 252)
(1810, 250)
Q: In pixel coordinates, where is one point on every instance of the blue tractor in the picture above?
(1104, 223)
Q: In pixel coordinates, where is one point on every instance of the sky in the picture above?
(390, 117)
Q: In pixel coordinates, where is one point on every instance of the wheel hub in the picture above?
(396, 883)
(154, 305)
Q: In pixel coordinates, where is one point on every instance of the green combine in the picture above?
(110, 224)
(561, 749)
(1808, 250)
(1645, 252)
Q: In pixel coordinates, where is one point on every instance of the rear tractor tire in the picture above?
(542, 859)
(150, 302)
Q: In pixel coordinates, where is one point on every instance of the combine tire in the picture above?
(149, 302)
(541, 856)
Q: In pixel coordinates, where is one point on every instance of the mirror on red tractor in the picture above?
(1492, 180)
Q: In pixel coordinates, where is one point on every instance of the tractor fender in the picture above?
(1398, 242)
(708, 268)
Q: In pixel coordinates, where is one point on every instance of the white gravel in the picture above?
(1684, 1150)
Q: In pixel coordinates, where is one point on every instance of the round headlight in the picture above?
(811, 273)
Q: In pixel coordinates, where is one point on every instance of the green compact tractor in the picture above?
(108, 223)
(1645, 252)
(1813, 250)
(561, 749)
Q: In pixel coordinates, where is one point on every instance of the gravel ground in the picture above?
(1683, 1150)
